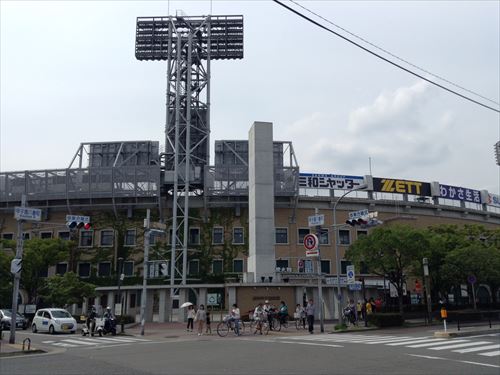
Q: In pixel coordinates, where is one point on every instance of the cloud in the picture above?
(401, 131)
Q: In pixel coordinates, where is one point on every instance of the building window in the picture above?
(281, 264)
(324, 238)
(129, 237)
(128, 268)
(7, 236)
(194, 267)
(45, 235)
(44, 272)
(302, 233)
(63, 235)
(104, 269)
(132, 300)
(343, 266)
(325, 266)
(26, 235)
(361, 233)
(84, 269)
(217, 266)
(217, 236)
(155, 237)
(238, 236)
(238, 265)
(281, 235)
(61, 268)
(344, 237)
(86, 237)
(194, 236)
(107, 237)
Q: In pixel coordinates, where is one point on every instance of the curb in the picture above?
(465, 333)
(22, 352)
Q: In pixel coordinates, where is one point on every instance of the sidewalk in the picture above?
(468, 331)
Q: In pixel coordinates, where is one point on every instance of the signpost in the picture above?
(472, 280)
(316, 220)
(311, 245)
(358, 214)
(351, 279)
(21, 214)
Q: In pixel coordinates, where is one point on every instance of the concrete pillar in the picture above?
(299, 294)
(231, 297)
(262, 257)
(164, 306)
(111, 300)
(148, 315)
(202, 297)
(85, 306)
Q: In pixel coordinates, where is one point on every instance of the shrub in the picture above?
(125, 319)
(340, 327)
(386, 319)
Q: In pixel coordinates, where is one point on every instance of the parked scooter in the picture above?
(106, 324)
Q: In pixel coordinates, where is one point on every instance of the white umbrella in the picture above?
(186, 304)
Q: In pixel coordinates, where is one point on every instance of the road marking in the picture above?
(436, 342)
(385, 341)
(419, 341)
(79, 342)
(65, 345)
(490, 354)
(311, 343)
(453, 360)
(455, 346)
(48, 342)
(468, 350)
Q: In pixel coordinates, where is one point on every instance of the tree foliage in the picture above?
(61, 291)
(390, 251)
(38, 255)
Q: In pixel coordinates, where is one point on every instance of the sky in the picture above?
(69, 76)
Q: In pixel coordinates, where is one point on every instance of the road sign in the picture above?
(77, 218)
(356, 286)
(358, 214)
(213, 299)
(26, 213)
(471, 279)
(311, 245)
(16, 265)
(351, 278)
(316, 220)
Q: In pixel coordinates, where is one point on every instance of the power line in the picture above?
(386, 59)
(393, 55)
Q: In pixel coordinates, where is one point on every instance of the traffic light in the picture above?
(354, 222)
(78, 225)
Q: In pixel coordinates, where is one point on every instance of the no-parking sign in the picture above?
(311, 245)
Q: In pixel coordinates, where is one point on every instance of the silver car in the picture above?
(6, 318)
(53, 320)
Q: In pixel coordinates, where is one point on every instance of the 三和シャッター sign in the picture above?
(329, 181)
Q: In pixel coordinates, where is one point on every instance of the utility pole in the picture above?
(147, 233)
(425, 262)
(320, 281)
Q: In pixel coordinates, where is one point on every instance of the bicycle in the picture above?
(300, 322)
(282, 322)
(261, 325)
(227, 325)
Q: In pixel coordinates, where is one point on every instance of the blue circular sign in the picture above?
(471, 279)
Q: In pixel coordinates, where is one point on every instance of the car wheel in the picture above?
(51, 330)
(33, 328)
(73, 332)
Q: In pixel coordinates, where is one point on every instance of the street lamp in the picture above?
(336, 229)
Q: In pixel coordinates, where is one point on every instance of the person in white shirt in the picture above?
(259, 316)
(235, 317)
(190, 316)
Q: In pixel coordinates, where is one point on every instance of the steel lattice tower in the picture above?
(188, 44)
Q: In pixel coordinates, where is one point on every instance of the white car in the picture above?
(53, 320)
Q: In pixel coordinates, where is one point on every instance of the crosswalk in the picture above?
(488, 346)
(94, 341)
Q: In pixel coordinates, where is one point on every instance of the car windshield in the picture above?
(61, 314)
(7, 313)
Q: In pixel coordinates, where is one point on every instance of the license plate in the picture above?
(65, 327)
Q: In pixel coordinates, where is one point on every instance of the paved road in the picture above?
(395, 352)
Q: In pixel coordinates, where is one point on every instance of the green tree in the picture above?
(61, 291)
(390, 251)
(37, 257)
(5, 276)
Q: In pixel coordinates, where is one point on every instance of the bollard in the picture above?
(444, 315)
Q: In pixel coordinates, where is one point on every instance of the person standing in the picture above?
(300, 315)
(201, 317)
(310, 315)
(235, 317)
(209, 328)
(190, 317)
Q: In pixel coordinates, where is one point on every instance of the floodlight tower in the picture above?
(188, 44)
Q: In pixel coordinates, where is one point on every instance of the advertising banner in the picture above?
(493, 200)
(390, 185)
(459, 193)
(329, 181)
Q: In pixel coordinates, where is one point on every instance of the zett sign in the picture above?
(388, 185)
